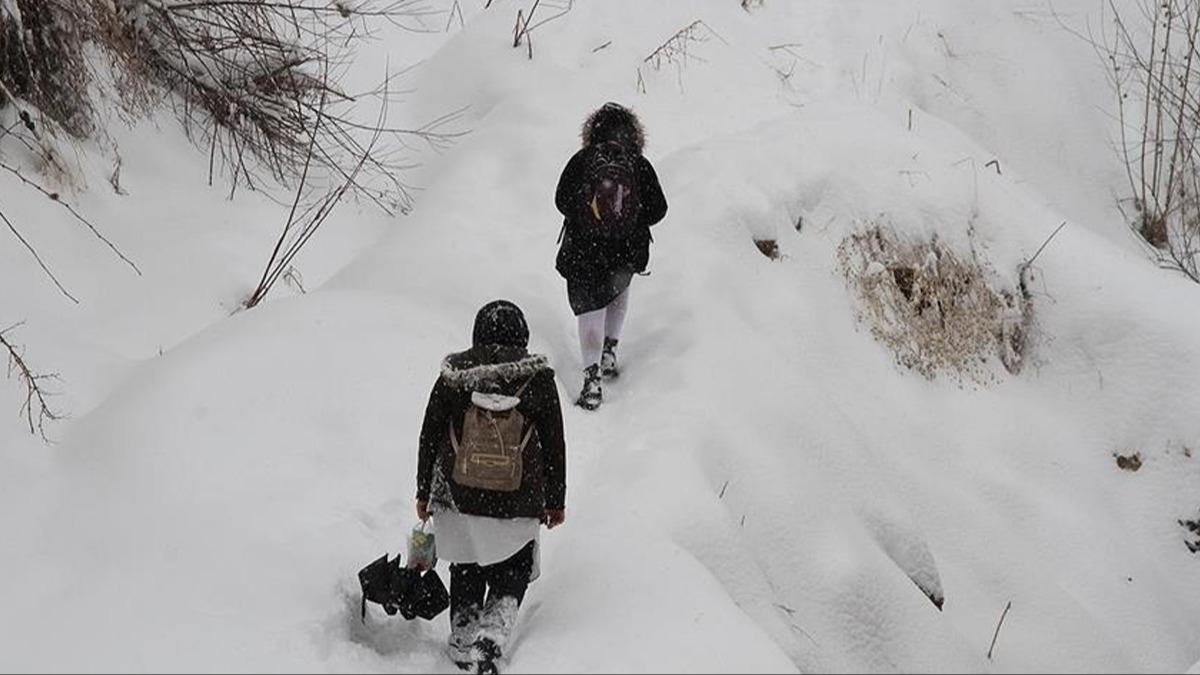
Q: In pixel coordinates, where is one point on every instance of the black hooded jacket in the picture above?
(592, 260)
(497, 363)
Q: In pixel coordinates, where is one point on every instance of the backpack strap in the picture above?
(525, 386)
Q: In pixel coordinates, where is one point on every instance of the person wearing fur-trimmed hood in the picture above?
(598, 267)
(491, 536)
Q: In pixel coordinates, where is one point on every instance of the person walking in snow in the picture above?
(609, 196)
(491, 471)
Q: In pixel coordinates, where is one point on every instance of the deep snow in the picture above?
(762, 486)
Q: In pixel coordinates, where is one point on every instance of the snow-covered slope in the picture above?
(763, 490)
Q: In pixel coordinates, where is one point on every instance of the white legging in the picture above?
(603, 323)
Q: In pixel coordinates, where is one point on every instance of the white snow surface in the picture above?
(763, 489)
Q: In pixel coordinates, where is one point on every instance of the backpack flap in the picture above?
(494, 402)
(490, 454)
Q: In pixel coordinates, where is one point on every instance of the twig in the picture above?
(675, 49)
(519, 28)
(1045, 243)
(455, 10)
(56, 198)
(33, 388)
(561, 12)
(41, 263)
(525, 25)
(262, 288)
(998, 625)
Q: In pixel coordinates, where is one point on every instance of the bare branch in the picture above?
(41, 263)
(36, 409)
(57, 199)
(301, 230)
(1046, 243)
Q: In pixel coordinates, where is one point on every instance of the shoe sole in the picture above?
(589, 404)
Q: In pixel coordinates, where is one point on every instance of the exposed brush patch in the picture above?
(1193, 534)
(768, 247)
(940, 314)
(42, 59)
(1131, 462)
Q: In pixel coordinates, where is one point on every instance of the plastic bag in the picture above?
(422, 552)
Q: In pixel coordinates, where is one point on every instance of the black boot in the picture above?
(608, 360)
(461, 645)
(488, 653)
(592, 395)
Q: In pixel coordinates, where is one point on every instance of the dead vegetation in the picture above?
(257, 84)
(36, 408)
(1131, 462)
(769, 248)
(938, 312)
(1153, 59)
(1193, 538)
(678, 51)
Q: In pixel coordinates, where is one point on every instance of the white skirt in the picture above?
(463, 538)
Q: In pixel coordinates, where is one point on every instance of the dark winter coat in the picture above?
(598, 269)
(498, 363)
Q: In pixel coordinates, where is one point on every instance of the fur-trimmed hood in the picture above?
(487, 368)
(614, 122)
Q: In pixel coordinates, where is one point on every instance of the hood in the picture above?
(614, 122)
(500, 322)
(487, 368)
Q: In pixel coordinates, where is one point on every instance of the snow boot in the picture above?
(592, 394)
(489, 652)
(461, 645)
(465, 657)
(608, 360)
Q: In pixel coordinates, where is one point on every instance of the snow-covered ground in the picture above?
(763, 488)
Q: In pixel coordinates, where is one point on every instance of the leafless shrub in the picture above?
(678, 50)
(1154, 68)
(301, 224)
(257, 84)
(937, 312)
(36, 409)
(245, 77)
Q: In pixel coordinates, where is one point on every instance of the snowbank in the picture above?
(764, 488)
